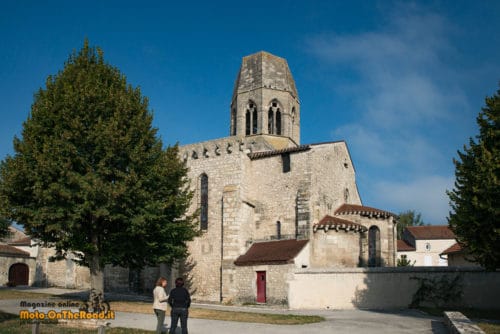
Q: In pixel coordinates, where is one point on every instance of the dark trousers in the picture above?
(160, 316)
(175, 314)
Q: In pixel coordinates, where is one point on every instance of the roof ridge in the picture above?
(265, 154)
(431, 232)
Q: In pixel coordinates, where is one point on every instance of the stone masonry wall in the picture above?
(314, 187)
(62, 273)
(276, 283)
(333, 179)
(68, 274)
(248, 197)
(335, 249)
(223, 161)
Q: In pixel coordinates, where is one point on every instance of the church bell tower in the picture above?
(265, 100)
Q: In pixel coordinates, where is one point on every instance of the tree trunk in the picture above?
(96, 275)
(166, 271)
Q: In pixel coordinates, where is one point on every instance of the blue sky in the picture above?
(400, 82)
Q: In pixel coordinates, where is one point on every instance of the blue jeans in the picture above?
(175, 314)
(160, 316)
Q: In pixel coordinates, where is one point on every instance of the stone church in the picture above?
(270, 205)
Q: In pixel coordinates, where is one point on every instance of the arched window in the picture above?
(254, 121)
(374, 247)
(274, 118)
(251, 119)
(203, 201)
(278, 122)
(247, 123)
(270, 121)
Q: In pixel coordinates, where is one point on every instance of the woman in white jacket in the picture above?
(160, 302)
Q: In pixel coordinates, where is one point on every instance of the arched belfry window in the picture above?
(204, 201)
(278, 122)
(374, 259)
(247, 123)
(251, 119)
(254, 121)
(274, 118)
(270, 121)
(292, 119)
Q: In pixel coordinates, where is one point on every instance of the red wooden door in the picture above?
(19, 274)
(261, 287)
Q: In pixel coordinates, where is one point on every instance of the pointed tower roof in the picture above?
(264, 70)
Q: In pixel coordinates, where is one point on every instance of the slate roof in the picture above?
(271, 252)
(403, 246)
(335, 223)
(455, 248)
(12, 251)
(264, 70)
(363, 211)
(431, 232)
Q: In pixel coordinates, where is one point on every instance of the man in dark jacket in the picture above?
(179, 300)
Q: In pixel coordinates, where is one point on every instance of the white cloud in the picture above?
(406, 101)
(426, 195)
(401, 68)
(406, 152)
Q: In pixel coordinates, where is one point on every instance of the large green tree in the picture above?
(4, 227)
(90, 175)
(408, 218)
(475, 199)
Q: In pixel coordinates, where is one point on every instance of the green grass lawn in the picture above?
(10, 324)
(6, 293)
(200, 313)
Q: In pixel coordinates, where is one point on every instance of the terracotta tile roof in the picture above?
(271, 252)
(431, 232)
(265, 154)
(362, 210)
(455, 248)
(12, 251)
(26, 241)
(334, 223)
(403, 246)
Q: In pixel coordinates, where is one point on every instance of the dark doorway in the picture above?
(19, 274)
(261, 287)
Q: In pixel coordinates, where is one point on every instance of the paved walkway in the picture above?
(337, 321)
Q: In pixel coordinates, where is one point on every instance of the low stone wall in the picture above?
(386, 288)
(458, 323)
